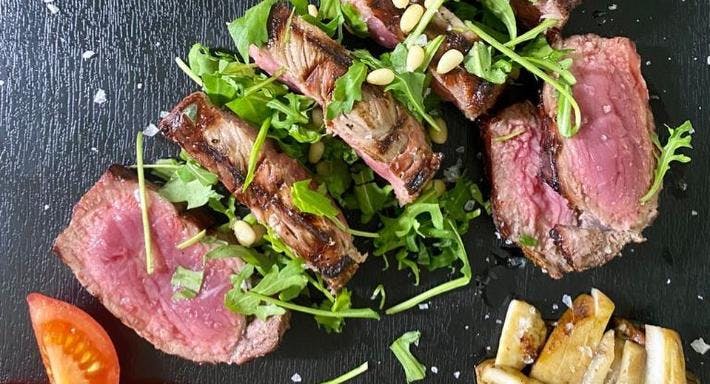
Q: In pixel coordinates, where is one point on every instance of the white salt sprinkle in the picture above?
(693, 213)
(435, 369)
(668, 282)
(423, 306)
(88, 54)
(708, 60)
(94, 149)
(701, 298)
(296, 378)
(150, 130)
(457, 374)
(498, 321)
(163, 114)
(2, 82)
(139, 85)
(53, 9)
(648, 62)
(567, 300)
(613, 7)
(100, 96)
(555, 306)
(46, 207)
(700, 346)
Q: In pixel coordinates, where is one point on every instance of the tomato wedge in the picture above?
(75, 349)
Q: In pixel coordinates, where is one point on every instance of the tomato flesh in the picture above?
(74, 347)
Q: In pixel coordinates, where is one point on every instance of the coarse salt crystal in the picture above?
(693, 213)
(163, 114)
(139, 85)
(567, 300)
(2, 82)
(555, 307)
(613, 7)
(606, 108)
(94, 149)
(708, 60)
(296, 378)
(457, 374)
(700, 346)
(435, 369)
(668, 282)
(498, 321)
(423, 306)
(100, 96)
(46, 207)
(150, 130)
(701, 298)
(53, 9)
(460, 149)
(88, 54)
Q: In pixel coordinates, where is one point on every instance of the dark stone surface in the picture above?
(56, 141)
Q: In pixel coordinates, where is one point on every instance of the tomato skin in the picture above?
(74, 347)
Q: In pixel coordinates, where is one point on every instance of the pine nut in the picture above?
(315, 152)
(411, 17)
(448, 61)
(415, 58)
(382, 76)
(439, 186)
(439, 136)
(428, 3)
(244, 233)
(400, 4)
(312, 10)
(317, 117)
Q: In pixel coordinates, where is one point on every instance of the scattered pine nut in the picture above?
(415, 58)
(442, 134)
(312, 10)
(382, 76)
(315, 152)
(411, 17)
(400, 4)
(449, 60)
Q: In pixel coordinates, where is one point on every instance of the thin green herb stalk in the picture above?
(317, 285)
(537, 72)
(157, 166)
(512, 135)
(258, 86)
(193, 240)
(379, 291)
(360, 313)
(349, 375)
(443, 288)
(351, 231)
(423, 22)
(186, 68)
(255, 151)
(679, 138)
(144, 204)
(565, 74)
(533, 33)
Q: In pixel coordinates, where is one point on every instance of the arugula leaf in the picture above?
(291, 118)
(479, 62)
(186, 282)
(193, 192)
(353, 20)
(679, 138)
(336, 176)
(349, 375)
(342, 302)
(254, 155)
(369, 197)
(251, 28)
(311, 201)
(413, 369)
(528, 240)
(348, 90)
(504, 12)
(261, 262)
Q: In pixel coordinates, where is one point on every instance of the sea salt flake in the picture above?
(100, 96)
(708, 60)
(457, 374)
(296, 378)
(94, 149)
(88, 54)
(567, 300)
(606, 108)
(2, 82)
(453, 173)
(498, 321)
(648, 62)
(613, 7)
(701, 298)
(668, 282)
(435, 369)
(423, 306)
(46, 207)
(139, 85)
(460, 149)
(53, 9)
(150, 130)
(693, 213)
(700, 346)
(555, 307)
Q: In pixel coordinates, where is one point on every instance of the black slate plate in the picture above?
(56, 142)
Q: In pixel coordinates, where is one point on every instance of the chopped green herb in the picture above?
(478, 61)
(679, 138)
(504, 12)
(349, 375)
(192, 240)
(528, 240)
(348, 90)
(511, 135)
(370, 198)
(312, 201)
(144, 204)
(379, 291)
(186, 282)
(413, 369)
(255, 153)
(251, 28)
(193, 192)
(341, 303)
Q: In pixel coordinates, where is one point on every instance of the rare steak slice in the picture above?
(222, 143)
(103, 245)
(472, 95)
(607, 167)
(382, 131)
(526, 207)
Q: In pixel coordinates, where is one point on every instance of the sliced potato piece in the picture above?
(522, 336)
(628, 330)
(482, 366)
(570, 347)
(601, 362)
(633, 364)
(665, 363)
(504, 375)
(616, 364)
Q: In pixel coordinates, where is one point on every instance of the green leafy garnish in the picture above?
(370, 198)
(194, 192)
(379, 291)
(186, 282)
(479, 62)
(312, 201)
(504, 12)
(348, 90)
(144, 204)
(342, 302)
(413, 369)
(679, 138)
(251, 28)
(349, 375)
(192, 240)
(528, 240)
(254, 155)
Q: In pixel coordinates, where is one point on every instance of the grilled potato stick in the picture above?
(633, 364)
(482, 366)
(665, 363)
(522, 336)
(492, 374)
(569, 349)
(616, 364)
(601, 362)
(628, 330)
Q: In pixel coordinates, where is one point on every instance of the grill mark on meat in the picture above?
(472, 95)
(100, 247)
(317, 240)
(388, 138)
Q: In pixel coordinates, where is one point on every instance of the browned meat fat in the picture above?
(221, 143)
(103, 246)
(532, 13)
(382, 131)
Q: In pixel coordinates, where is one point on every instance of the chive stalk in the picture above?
(144, 204)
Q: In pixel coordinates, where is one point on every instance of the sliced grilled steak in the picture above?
(388, 138)
(472, 95)
(528, 210)
(222, 143)
(608, 166)
(103, 246)
(532, 13)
